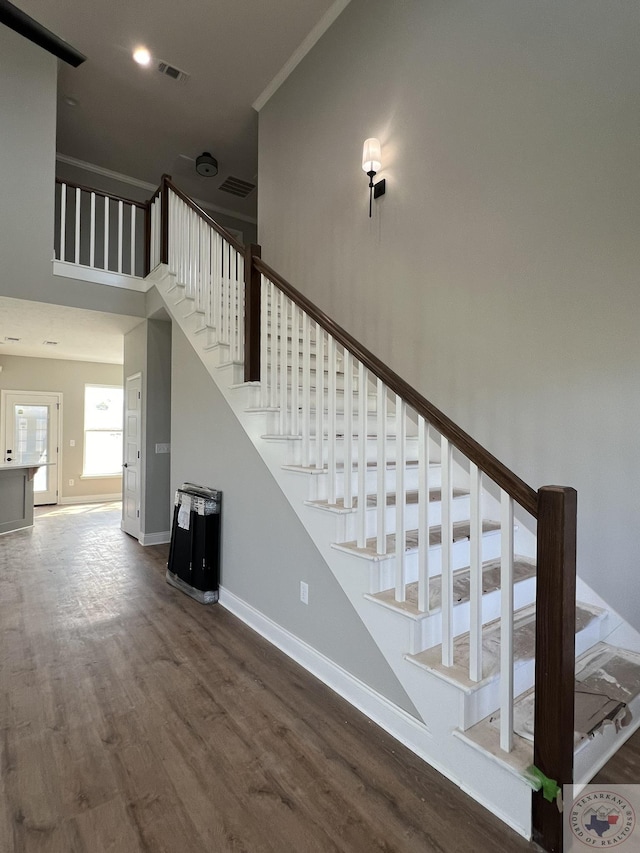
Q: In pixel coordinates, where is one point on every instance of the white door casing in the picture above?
(131, 468)
(31, 426)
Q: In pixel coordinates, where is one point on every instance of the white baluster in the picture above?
(295, 369)
(265, 291)
(332, 421)
(381, 463)
(77, 246)
(362, 455)
(347, 487)
(133, 239)
(63, 222)
(319, 396)
(446, 548)
(306, 389)
(120, 230)
(401, 445)
(106, 232)
(273, 341)
(92, 232)
(475, 577)
(506, 622)
(241, 306)
(284, 361)
(424, 513)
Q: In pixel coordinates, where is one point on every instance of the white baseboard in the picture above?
(155, 538)
(91, 499)
(393, 719)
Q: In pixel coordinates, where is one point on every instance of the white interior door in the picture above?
(30, 430)
(131, 486)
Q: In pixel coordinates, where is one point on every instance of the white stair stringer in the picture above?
(443, 706)
(504, 793)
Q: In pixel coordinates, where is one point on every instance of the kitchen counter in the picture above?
(16, 493)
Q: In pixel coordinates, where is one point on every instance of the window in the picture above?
(103, 405)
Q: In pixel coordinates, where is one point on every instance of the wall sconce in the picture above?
(371, 162)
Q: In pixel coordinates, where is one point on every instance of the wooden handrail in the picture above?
(237, 245)
(141, 204)
(522, 493)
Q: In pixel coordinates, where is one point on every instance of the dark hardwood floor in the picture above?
(135, 719)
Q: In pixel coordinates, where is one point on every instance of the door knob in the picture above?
(124, 465)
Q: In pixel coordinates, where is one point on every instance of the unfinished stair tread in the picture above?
(524, 635)
(461, 531)
(371, 466)
(411, 498)
(523, 568)
(606, 677)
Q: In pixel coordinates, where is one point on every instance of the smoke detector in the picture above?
(206, 165)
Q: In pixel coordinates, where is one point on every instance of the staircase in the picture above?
(445, 554)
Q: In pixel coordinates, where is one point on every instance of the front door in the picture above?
(30, 430)
(131, 485)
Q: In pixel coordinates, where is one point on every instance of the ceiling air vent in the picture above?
(50, 343)
(237, 187)
(10, 340)
(172, 72)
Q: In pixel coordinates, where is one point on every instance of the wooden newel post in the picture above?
(555, 654)
(164, 221)
(252, 302)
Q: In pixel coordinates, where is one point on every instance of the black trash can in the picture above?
(194, 553)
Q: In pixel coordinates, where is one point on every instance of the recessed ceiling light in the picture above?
(142, 56)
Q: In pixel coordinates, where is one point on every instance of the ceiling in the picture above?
(140, 123)
(123, 118)
(80, 335)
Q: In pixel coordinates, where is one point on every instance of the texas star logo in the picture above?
(602, 819)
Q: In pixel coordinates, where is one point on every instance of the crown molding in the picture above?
(145, 185)
(314, 36)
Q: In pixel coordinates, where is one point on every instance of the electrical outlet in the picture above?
(72, 442)
(304, 592)
(163, 448)
(72, 482)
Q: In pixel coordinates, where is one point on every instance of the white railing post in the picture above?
(306, 389)
(332, 427)
(424, 459)
(63, 221)
(107, 211)
(381, 464)
(446, 528)
(77, 246)
(120, 231)
(506, 622)
(401, 434)
(362, 455)
(347, 479)
(92, 232)
(475, 577)
(133, 239)
(319, 396)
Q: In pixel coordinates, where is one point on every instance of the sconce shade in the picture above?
(371, 159)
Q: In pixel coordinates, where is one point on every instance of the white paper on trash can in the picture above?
(184, 513)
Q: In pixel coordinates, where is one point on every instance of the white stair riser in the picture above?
(383, 570)
(459, 512)
(371, 481)
(427, 632)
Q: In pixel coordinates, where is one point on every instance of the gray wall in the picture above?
(265, 550)
(27, 177)
(147, 350)
(499, 275)
(68, 378)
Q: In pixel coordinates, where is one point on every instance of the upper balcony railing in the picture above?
(100, 231)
